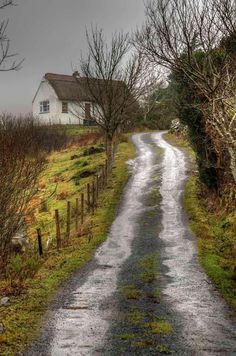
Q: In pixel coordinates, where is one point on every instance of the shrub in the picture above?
(23, 148)
(19, 269)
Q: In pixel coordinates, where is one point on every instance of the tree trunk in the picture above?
(109, 148)
(232, 154)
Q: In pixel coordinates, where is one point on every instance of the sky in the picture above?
(50, 36)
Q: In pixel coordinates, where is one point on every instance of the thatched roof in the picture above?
(76, 88)
(67, 87)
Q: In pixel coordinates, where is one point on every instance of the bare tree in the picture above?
(21, 161)
(113, 78)
(7, 59)
(188, 36)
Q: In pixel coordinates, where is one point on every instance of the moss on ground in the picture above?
(154, 198)
(159, 327)
(143, 327)
(129, 291)
(127, 336)
(23, 316)
(148, 266)
(135, 317)
(163, 349)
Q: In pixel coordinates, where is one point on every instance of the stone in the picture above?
(74, 157)
(2, 329)
(93, 150)
(5, 301)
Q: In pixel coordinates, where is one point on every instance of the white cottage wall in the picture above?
(55, 115)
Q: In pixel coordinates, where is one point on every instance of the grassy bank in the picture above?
(216, 232)
(22, 317)
(215, 227)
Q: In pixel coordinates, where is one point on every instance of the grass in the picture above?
(127, 336)
(213, 240)
(178, 141)
(159, 327)
(215, 229)
(61, 182)
(148, 266)
(21, 319)
(129, 291)
(155, 197)
(135, 317)
(162, 349)
(77, 130)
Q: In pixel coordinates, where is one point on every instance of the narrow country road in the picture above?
(144, 292)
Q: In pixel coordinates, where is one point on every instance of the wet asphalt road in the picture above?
(108, 306)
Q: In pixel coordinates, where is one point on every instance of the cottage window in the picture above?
(64, 107)
(44, 106)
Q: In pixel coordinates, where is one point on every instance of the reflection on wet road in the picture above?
(81, 326)
(201, 319)
(207, 326)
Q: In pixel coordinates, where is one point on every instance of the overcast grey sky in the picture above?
(49, 34)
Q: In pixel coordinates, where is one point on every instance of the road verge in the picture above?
(20, 319)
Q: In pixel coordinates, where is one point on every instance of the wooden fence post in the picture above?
(82, 208)
(39, 235)
(68, 222)
(58, 229)
(97, 186)
(93, 197)
(103, 177)
(106, 169)
(77, 214)
(88, 197)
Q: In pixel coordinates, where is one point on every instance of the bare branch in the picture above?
(113, 78)
(190, 37)
(7, 59)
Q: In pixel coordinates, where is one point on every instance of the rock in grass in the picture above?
(4, 301)
(92, 150)
(74, 157)
(2, 329)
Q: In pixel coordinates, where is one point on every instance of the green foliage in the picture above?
(20, 268)
(187, 101)
(161, 110)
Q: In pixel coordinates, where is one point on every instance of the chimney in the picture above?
(76, 75)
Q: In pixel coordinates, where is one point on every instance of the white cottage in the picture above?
(63, 99)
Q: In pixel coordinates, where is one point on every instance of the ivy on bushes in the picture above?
(186, 102)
